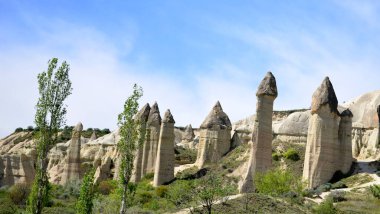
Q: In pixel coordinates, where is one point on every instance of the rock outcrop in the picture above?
(261, 150)
(93, 136)
(189, 135)
(151, 142)
(328, 141)
(345, 140)
(73, 162)
(141, 118)
(215, 136)
(164, 169)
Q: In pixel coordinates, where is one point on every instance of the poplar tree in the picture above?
(87, 194)
(54, 87)
(131, 136)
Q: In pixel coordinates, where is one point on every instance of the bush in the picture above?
(375, 190)
(338, 185)
(19, 193)
(30, 128)
(180, 192)
(276, 156)
(107, 186)
(187, 173)
(60, 210)
(7, 206)
(149, 176)
(144, 197)
(292, 154)
(161, 191)
(326, 207)
(19, 129)
(278, 182)
(338, 196)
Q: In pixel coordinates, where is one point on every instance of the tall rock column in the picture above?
(215, 137)
(164, 169)
(378, 127)
(322, 148)
(261, 150)
(345, 141)
(141, 118)
(151, 144)
(71, 169)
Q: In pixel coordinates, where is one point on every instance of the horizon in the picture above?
(186, 56)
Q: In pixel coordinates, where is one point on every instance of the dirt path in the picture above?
(364, 167)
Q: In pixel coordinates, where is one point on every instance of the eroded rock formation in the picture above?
(329, 138)
(73, 163)
(164, 169)
(151, 142)
(188, 136)
(261, 150)
(141, 118)
(214, 138)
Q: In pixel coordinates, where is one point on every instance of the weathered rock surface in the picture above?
(345, 142)
(142, 118)
(214, 138)
(261, 151)
(71, 170)
(189, 135)
(152, 138)
(323, 155)
(164, 169)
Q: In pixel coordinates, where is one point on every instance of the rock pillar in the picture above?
(72, 167)
(188, 136)
(141, 118)
(322, 148)
(261, 150)
(378, 127)
(151, 143)
(215, 137)
(345, 141)
(164, 169)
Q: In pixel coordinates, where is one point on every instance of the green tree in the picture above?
(87, 193)
(54, 87)
(130, 130)
(211, 189)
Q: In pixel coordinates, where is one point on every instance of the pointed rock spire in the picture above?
(93, 136)
(378, 113)
(268, 86)
(216, 118)
(346, 113)
(324, 94)
(143, 114)
(168, 117)
(189, 133)
(78, 127)
(154, 115)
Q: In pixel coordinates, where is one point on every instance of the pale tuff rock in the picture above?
(164, 169)
(72, 167)
(345, 140)
(151, 142)
(141, 118)
(93, 136)
(261, 152)
(214, 137)
(188, 136)
(329, 139)
(16, 169)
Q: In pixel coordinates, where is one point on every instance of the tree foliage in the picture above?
(130, 130)
(87, 193)
(54, 87)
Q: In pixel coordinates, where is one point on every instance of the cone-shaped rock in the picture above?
(93, 136)
(216, 118)
(378, 127)
(164, 169)
(261, 150)
(322, 148)
(72, 167)
(188, 136)
(345, 141)
(215, 136)
(151, 142)
(142, 118)
(325, 94)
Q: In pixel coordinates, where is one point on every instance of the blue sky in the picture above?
(185, 54)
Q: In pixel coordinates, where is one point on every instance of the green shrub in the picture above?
(161, 191)
(276, 156)
(326, 207)
(338, 185)
(187, 173)
(30, 128)
(292, 154)
(19, 129)
(87, 193)
(180, 192)
(375, 190)
(7, 206)
(149, 176)
(19, 193)
(60, 210)
(278, 182)
(107, 186)
(144, 197)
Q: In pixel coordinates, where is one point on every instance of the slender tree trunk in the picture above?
(123, 207)
(42, 182)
